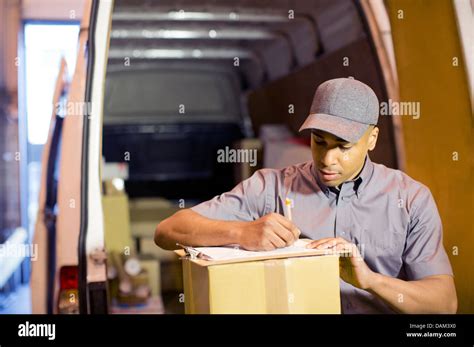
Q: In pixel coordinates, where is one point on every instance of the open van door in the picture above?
(70, 232)
(91, 248)
(43, 269)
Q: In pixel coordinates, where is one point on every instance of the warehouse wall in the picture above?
(426, 41)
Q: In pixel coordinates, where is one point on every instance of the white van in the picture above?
(168, 84)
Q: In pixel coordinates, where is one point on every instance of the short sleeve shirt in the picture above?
(392, 218)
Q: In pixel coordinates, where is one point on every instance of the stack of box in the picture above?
(145, 214)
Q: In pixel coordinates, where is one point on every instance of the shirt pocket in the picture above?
(383, 239)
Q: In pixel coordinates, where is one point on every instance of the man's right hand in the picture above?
(267, 233)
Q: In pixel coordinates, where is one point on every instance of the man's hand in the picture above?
(267, 233)
(432, 294)
(352, 266)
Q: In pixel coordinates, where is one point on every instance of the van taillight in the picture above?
(68, 301)
(68, 277)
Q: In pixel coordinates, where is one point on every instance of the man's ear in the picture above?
(373, 136)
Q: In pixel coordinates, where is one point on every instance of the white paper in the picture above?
(234, 252)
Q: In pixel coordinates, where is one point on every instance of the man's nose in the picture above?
(329, 157)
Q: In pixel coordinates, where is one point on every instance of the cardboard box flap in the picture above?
(230, 255)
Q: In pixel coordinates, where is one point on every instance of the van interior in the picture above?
(186, 79)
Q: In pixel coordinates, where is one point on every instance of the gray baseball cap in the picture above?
(343, 107)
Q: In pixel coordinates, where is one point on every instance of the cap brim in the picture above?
(345, 129)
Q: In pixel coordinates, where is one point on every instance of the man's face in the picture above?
(336, 160)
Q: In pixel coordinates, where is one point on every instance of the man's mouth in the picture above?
(329, 175)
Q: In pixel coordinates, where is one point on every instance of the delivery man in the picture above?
(343, 201)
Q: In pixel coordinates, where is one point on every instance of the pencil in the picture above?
(288, 208)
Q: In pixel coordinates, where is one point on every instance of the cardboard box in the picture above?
(146, 213)
(171, 271)
(118, 237)
(148, 246)
(152, 266)
(117, 223)
(307, 284)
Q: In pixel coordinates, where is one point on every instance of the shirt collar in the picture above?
(360, 182)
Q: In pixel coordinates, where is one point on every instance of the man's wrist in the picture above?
(235, 232)
(374, 281)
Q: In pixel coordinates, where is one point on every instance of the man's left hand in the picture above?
(352, 266)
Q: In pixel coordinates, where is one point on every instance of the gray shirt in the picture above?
(391, 217)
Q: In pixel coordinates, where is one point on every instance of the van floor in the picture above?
(19, 302)
(171, 301)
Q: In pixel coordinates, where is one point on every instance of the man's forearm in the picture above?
(190, 228)
(435, 294)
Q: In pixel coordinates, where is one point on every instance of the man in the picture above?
(342, 201)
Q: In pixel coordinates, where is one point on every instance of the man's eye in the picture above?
(344, 148)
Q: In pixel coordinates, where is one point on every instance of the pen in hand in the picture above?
(288, 205)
